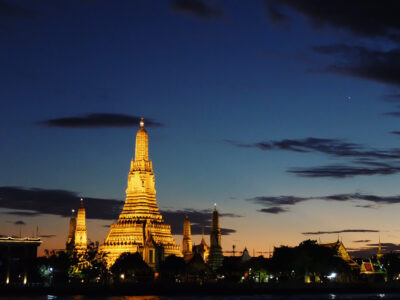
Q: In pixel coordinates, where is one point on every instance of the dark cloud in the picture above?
(377, 65)
(333, 147)
(344, 171)
(280, 204)
(274, 12)
(23, 213)
(361, 241)
(273, 210)
(47, 236)
(395, 132)
(19, 222)
(199, 219)
(385, 246)
(99, 120)
(11, 10)
(339, 231)
(368, 18)
(57, 202)
(60, 203)
(279, 200)
(197, 8)
(371, 249)
(367, 161)
(365, 205)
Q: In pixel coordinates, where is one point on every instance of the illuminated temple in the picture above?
(140, 227)
(77, 237)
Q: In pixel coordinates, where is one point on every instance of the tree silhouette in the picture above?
(131, 267)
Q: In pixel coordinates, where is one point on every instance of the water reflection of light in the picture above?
(381, 296)
(136, 298)
(332, 296)
(51, 297)
(142, 298)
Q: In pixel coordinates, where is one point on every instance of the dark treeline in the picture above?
(308, 264)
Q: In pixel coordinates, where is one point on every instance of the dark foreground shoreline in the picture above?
(222, 289)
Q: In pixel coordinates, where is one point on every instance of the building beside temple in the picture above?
(341, 252)
(77, 236)
(216, 257)
(202, 249)
(18, 260)
(140, 226)
(187, 243)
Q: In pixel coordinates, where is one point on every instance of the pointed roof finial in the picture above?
(215, 206)
(141, 122)
(81, 202)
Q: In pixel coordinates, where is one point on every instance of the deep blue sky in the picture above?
(220, 76)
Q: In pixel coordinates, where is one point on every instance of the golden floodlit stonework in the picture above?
(80, 238)
(140, 227)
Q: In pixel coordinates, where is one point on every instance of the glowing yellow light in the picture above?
(122, 276)
(25, 279)
(8, 280)
(128, 234)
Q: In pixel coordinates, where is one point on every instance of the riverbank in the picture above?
(168, 289)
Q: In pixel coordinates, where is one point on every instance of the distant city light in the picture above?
(332, 276)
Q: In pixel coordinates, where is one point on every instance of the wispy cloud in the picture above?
(197, 8)
(99, 120)
(47, 236)
(281, 204)
(273, 210)
(378, 65)
(23, 213)
(372, 248)
(344, 171)
(365, 161)
(332, 147)
(366, 19)
(340, 231)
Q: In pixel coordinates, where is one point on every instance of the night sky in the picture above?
(285, 113)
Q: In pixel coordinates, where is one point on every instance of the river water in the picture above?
(252, 297)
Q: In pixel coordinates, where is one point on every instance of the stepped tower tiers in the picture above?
(215, 258)
(140, 227)
(80, 238)
(71, 233)
(187, 239)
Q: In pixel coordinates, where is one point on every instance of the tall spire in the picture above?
(215, 259)
(187, 238)
(141, 193)
(71, 233)
(140, 226)
(80, 231)
(379, 254)
(142, 143)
